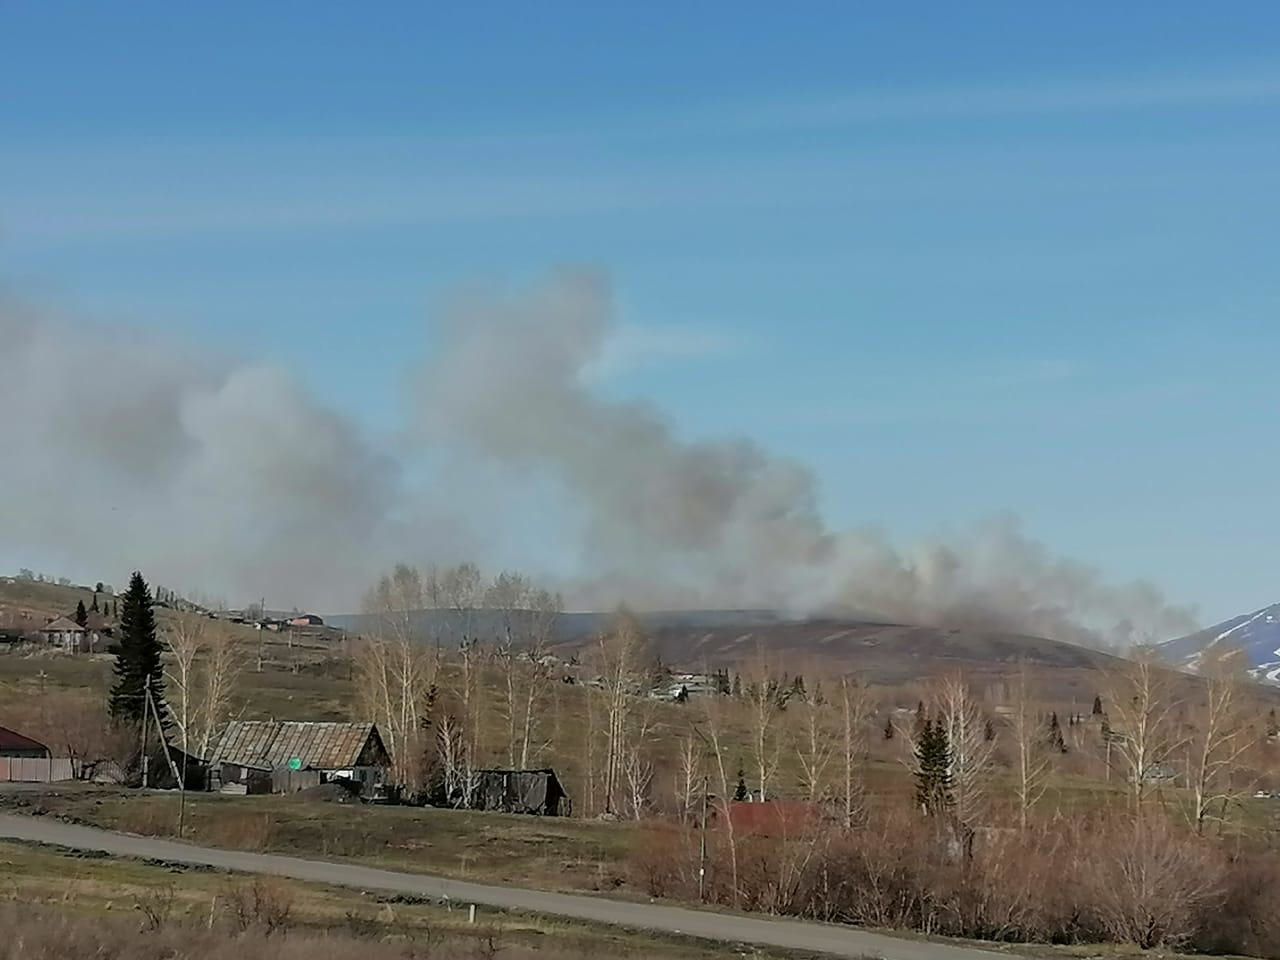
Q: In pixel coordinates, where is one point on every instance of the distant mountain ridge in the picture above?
(571, 627)
(883, 653)
(1256, 634)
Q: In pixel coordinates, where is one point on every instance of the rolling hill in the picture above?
(884, 653)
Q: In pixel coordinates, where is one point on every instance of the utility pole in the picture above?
(702, 846)
(262, 615)
(146, 699)
(173, 767)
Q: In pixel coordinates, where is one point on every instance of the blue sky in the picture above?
(961, 259)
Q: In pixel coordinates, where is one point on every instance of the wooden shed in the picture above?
(520, 791)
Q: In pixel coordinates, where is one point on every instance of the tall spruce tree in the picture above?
(1097, 705)
(82, 615)
(933, 768)
(138, 663)
(1056, 740)
(94, 608)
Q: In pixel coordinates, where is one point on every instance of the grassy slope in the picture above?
(557, 854)
(105, 887)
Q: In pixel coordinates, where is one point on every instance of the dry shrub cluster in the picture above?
(264, 904)
(1148, 882)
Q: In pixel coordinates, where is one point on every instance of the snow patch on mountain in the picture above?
(1256, 635)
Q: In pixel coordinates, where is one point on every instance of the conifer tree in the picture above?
(740, 793)
(1097, 705)
(933, 769)
(1055, 734)
(888, 728)
(138, 665)
(82, 615)
(94, 608)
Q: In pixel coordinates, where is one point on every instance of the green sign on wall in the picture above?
(295, 763)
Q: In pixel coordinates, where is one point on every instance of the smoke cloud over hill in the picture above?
(231, 477)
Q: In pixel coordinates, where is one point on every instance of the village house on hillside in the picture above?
(306, 620)
(262, 756)
(68, 636)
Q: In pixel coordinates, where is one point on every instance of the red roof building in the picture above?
(14, 744)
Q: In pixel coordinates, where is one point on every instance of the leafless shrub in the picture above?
(489, 943)
(262, 904)
(1151, 885)
(659, 861)
(155, 905)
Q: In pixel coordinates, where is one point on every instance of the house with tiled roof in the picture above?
(259, 756)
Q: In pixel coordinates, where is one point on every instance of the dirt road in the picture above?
(786, 934)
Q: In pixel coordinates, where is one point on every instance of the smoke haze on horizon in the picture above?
(231, 478)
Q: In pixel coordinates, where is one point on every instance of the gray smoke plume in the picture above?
(120, 451)
(678, 523)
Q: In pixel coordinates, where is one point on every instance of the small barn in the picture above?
(261, 756)
(520, 791)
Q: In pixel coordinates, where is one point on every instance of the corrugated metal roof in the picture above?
(270, 743)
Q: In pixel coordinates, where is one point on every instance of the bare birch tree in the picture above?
(1221, 740)
(1031, 763)
(449, 742)
(971, 753)
(459, 592)
(206, 663)
(714, 710)
(185, 639)
(619, 655)
(855, 715)
(688, 775)
(507, 596)
(764, 702)
(528, 619)
(1140, 717)
(815, 742)
(396, 673)
(637, 764)
(592, 735)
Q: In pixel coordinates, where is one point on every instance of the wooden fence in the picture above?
(27, 770)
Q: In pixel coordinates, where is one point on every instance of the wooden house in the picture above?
(261, 756)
